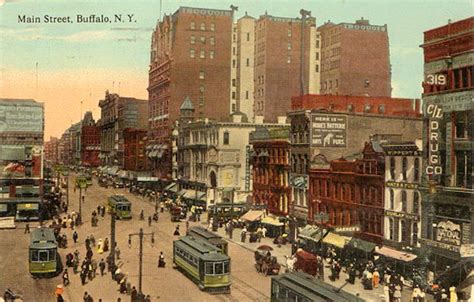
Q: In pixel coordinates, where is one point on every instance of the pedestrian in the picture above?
(264, 232)
(117, 252)
(397, 295)
(453, 296)
(65, 278)
(76, 255)
(59, 298)
(375, 278)
(100, 246)
(161, 260)
(83, 277)
(149, 220)
(134, 294)
(75, 236)
(88, 298)
(27, 228)
(176, 231)
(89, 254)
(92, 240)
(102, 266)
(87, 242)
(147, 298)
(106, 245)
(243, 234)
(123, 286)
(75, 265)
(162, 207)
(142, 215)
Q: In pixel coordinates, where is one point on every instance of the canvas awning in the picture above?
(122, 174)
(311, 232)
(3, 207)
(336, 240)
(182, 192)
(147, 178)
(252, 215)
(362, 245)
(272, 221)
(131, 175)
(395, 254)
(172, 187)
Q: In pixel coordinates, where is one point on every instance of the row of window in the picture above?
(404, 169)
(403, 201)
(202, 39)
(202, 26)
(407, 230)
(42, 255)
(187, 257)
(217, 268)
(202, 54)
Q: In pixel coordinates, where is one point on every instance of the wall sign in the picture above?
(328, 130)
(299, 181)
(448, 232)
(434, 113)
(402, 185)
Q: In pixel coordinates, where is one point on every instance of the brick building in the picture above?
(190, 56)
(90, 141)
(270, 169)
(277, 66)
(351, 192)
(348, 65)
(321, 128)
(51, 150)
(447, 183)
(134, 149)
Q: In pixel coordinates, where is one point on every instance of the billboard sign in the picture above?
(20, 161)
(21, 118)
(328, 130)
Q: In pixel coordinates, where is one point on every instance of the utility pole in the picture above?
(140, 267)
(112, 237)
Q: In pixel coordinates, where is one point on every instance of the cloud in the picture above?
(2, 2)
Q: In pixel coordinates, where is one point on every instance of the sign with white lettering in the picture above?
(403, 185)
(299, 181)
(436, 79)
(434, 113)
(467, 250)
(21, 118)
(448, 232)
(328, 130)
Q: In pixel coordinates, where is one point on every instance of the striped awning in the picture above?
(336, 240)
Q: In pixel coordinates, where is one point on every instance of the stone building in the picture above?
(270, 169)
(447, 184)
(403, 169)
(348, 65)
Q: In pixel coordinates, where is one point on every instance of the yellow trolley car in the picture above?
(43, 253)
(210, 237)
(121, 206)
(203, 263)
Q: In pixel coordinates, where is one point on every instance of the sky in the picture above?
(69, 66)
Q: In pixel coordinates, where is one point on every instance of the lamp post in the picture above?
(140, 235)
(112, 237)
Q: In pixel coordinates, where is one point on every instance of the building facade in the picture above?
(135, 158)
(51, 151)
(336, 131)
(270, 169)
(90, 141)
(348, 66)
(403, 169)
(350, 192)
(190, 56)
(447, 188)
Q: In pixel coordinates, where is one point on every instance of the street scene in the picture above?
(223, 151)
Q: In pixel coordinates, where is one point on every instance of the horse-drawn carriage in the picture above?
(266, 263)
(177, 213)
(306, 262)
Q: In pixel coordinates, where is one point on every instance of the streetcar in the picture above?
(299, 286)
(203, 263)
(43, 253)
(121, 206)
(210, 237)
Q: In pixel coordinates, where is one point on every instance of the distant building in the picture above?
(190, 56)
(448, 107)
(355, 59)
(117, 114)
(271, 168)
(51, 151)
(90, 141)
(135, 158)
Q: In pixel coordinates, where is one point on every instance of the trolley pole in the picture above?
(80, 204)
(140, 235)
(67, 191)
(112, 237)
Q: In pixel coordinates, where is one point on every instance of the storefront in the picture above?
(273, 225)
(310, 237)
(23, 209)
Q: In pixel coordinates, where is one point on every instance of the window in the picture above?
(203, 26)
(201, 75)
(213, 26)
(212, 40)
(192, 53)
(233, 63)
(193, 40)
(317, 68)
(391, 229)
(288, 59)
(392, 199)
(416, 203)
(248, 62)
(462, 123)
(416, 170)
(233, 82)
(289, 32)
(202, 54)
(392, 167)
(289, 46)
(226, 267)
(337, 83)
(43, 255)
(233, 107)
(209, 268)
(404, 168)
(233, 95)
(34, 255)
(211, 54)
(226, 138)
(317, 56)
(193, 25)
(203, 40)
(248, 36)
(317, 43)
(403, 200)
(233, 50)
(247, 95)
(382, 108)
(218, 268)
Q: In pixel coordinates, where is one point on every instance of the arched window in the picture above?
(404, 168)
(226, 138)
(416, 203)
(416, 170)
(392, 167)
(403, 200)
(392, 199)
(391, 227)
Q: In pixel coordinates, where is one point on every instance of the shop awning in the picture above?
(395, 254)
(27, 206)
(113, 170)
(362, 245)
(131, 175)
(172, 187)
(272, 221)
(252, 215)
(147, 178)
(336, 240)
(3, 207)
(311, 232)
(122, 174)
(182, 192)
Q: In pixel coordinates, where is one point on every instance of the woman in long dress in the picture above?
(100, 246)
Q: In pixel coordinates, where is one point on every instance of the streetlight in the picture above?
(140, 235)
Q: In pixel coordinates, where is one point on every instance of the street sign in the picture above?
(81, 182)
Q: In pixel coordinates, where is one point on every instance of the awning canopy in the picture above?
(252, 215)
(113, 170)
(147, 178)
(182, 192)
(393, 253)
(122, 174)
(172, 187)
(311, 232)
(362, 245)
(336, 240)
(131, 175)
(272, 221)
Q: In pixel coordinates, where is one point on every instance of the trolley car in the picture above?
(210, 237)
(121, 206)
(299, 286)
(203, 263)
(43, 253)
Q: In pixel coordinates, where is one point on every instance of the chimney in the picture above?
(281, 120)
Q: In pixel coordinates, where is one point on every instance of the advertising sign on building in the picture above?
(20, 118)
(20, 161)
(434, 113)
(299, 181)
(448, 232)
(328, 130)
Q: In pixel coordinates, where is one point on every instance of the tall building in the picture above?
(447, 188)
(277, 69)
(349, 66)
(51, 151)
(90, 141)
(190, 56)
(21, 158)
